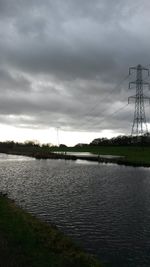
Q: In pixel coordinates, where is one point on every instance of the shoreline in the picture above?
(120, 160)
(28, 241)
(99, 159)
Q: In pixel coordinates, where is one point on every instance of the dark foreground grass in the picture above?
(27, 242)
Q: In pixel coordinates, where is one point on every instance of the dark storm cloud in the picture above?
(61, 62)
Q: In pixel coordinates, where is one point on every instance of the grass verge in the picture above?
(26, 241)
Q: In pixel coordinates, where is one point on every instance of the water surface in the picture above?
(105, 208)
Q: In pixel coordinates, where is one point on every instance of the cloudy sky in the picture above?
(64, 67)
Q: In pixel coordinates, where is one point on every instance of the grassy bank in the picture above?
(132, 154)
(26, 241)
(137, 154)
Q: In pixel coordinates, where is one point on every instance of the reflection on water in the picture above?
(106, 208)
(87, 162)
(7, 157)
(88, 154)
(80, 154)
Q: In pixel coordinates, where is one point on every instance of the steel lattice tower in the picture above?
(139, 126)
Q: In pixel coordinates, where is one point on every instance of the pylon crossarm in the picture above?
(131, 83)
(146, 70)
(130, 70)
(146, 98)
(145, 83)
(131, 98)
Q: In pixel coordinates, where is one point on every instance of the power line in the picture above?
(90, 111)
(119, 109)
(97, 103)
(105, 97)
(109, 115)
(103, 119)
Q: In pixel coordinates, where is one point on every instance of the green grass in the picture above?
(26, 241)
(133, 154)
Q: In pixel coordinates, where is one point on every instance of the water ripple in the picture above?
(106, 208)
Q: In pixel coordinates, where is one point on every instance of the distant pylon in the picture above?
(139, 126)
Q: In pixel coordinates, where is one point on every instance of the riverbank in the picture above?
(137, 156)
(26, 241)
(128, 156)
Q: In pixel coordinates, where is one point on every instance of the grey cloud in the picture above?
(61, 62)
(13, 82)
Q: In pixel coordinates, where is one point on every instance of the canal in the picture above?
(105, 208)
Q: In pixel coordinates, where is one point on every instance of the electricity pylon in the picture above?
(139, 126)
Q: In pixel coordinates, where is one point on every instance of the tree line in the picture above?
(122, 140)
